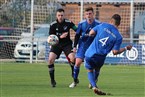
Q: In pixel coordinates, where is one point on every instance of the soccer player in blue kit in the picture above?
(81, 36)
(107, 38)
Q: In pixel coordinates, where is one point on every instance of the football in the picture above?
(52, 39)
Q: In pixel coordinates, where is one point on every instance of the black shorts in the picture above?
(57, 49)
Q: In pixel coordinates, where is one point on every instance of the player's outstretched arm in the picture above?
(128, 47)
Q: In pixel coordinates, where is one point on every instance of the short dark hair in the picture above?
(117, 19)
(89, 8)
(60, 10)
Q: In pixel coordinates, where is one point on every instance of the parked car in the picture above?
(6, 44)
(23, 47)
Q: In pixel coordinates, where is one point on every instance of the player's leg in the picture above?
(71, 65)
(91, 78)
(90, 64)
(79, 59)
(78, 63)
(54, 53)
(70, 55)
(52, 57)
(96, 74)
(90, 68)
(77, 68)
(100, 63)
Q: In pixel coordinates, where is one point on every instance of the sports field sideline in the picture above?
(32, 80)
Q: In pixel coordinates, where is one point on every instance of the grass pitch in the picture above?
(32, 80)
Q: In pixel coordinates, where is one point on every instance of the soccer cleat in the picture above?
(74, 84)
(90, 86)
(98, 91)
(53, 83)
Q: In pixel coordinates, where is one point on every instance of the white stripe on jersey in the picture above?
(53, 23)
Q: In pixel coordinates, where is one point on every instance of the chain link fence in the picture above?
(15, 25)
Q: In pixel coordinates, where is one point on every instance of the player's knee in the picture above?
(77, 64)
(71, 57)
(51, 61)
(89, 70)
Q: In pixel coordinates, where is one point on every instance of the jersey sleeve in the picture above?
(77, 35)
(76, 40)
(51, 30)
(117, 44)
(73, 26)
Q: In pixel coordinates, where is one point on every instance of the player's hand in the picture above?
(74, 49)
(129, 47)
(64, 35)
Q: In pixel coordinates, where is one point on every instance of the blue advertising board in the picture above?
(135, 56)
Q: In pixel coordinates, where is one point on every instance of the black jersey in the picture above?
(59, 28)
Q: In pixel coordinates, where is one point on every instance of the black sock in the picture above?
(72, 71)
(72, 68)
(51, 71)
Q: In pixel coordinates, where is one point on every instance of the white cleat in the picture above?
(90, 86)
(72, 85)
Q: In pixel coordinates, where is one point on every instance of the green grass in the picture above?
(32, 80)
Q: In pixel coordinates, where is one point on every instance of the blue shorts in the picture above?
(81, 52)
(94, 62)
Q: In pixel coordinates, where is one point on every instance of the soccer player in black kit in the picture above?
(61, 27)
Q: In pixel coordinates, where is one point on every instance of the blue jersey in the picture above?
(107, 38)
(83, 30)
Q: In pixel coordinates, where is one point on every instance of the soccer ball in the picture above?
(52, 39)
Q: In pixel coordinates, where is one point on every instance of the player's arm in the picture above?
(77, 35)
(91, 36)
(64, 35)
(73, 26)
(50, 30)
(115, 52)
(92, 33)
(76, 40)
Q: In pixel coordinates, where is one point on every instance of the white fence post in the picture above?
(131, 20)
(31, 53)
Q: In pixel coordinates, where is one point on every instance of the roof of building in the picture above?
(100, 1)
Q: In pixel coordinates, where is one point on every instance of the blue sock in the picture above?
(91, 79)
(96, 74)
(76, 72)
